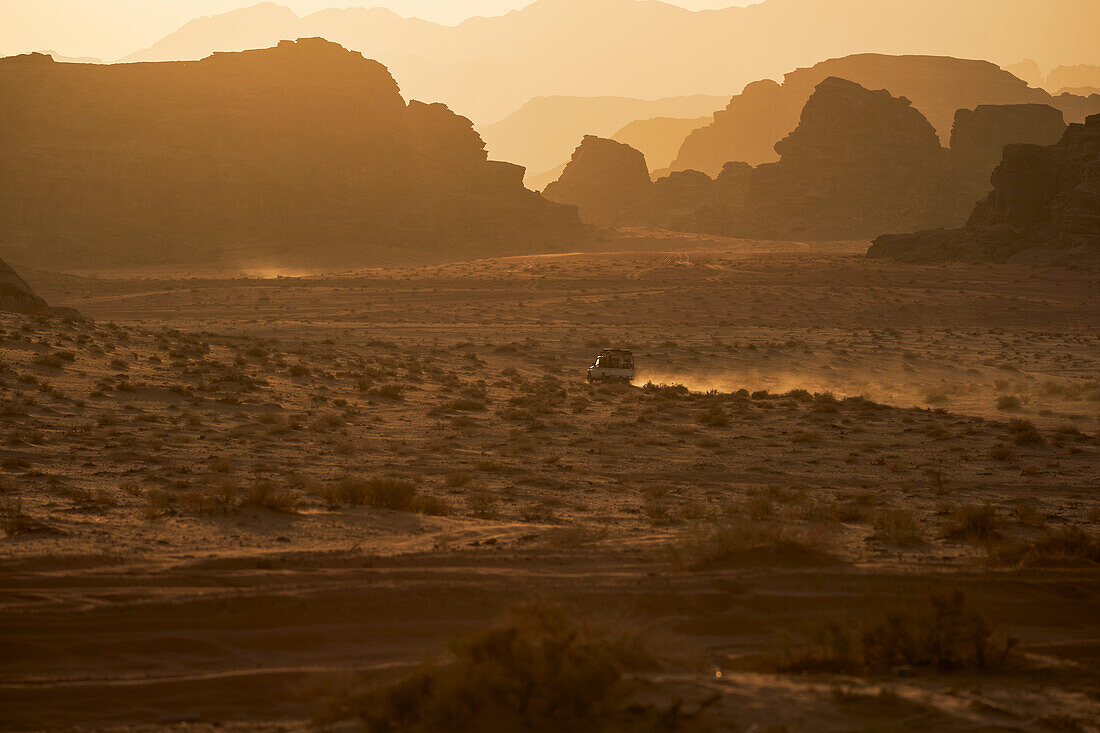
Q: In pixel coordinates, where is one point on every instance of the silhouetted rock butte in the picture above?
(16, 296)
(301, 154)
(607, 181)
(1045, 205)
(979, 136)
(860, 163)
(765, 111)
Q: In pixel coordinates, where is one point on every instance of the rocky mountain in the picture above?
(858, 164)
(1045, 205)
(607, 181)
(543, 132)
(659, 138)
(486, 67)
(16, 296)
(979, 136)
(1077, 75)
(224, 159)
(765, 111)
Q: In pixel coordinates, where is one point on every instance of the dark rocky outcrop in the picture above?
(859, 163)
(978, 139)
(765, 111)
(16, 296)
(1045, 204)
(305, 153)
(607, 181)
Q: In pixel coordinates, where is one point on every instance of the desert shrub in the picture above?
(714, 416)
(1001, 453)
(1024, 432)
(1066, 547)
(1026, 514)
(805, 437)
(211, 502)
(56, 360)
(380, 492)
(326, 422)
(973, 523)
(666, 391)
(431, 506)
(542, 669)
(264, 494)
(299, 370)
(390, 493)
(944, 635)
(742, 543)
(393, 392)
(482, 504)
(896, 527)
(1009, 402)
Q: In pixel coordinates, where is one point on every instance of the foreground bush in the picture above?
(1067, 547)
(944, 635)
(541, 670)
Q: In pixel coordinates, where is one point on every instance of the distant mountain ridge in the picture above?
(486, 67)
(543, 132)
(302, 153)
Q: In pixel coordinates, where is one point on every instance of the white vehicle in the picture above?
(612, 365)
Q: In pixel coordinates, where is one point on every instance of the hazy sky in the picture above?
(110, 29)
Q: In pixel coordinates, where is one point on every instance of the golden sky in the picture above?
(110, 29)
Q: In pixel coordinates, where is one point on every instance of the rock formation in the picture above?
(542, 133)
(765, 111)
(16, 296)
(305, 153)
(978, 139)
(1045, 203)
(607, 181)
(860, 163)
(659, 138)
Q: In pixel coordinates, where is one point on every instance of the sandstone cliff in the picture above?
(978, 139)
(1045, 204)
(304, 153)
(607, 181)
(765, 112)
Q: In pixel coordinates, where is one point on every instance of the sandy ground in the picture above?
(182, 480)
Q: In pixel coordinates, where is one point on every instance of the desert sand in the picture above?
(231, 495)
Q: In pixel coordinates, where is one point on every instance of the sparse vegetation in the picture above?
(541, 669)
(944, 635)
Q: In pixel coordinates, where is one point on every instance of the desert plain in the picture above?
(228, 497)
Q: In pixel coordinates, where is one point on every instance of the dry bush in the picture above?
(896, 527)
(1001, 453)
(1024, 432)
(1009, 402)
(714, 416)
(944, 635)
(1066, 547)
(264, 494)
(482, 504)
(326, 422)
(1028, 515)
(542, 669)
(743, 543)
(456, 479)
(393, 392)
(973, 523)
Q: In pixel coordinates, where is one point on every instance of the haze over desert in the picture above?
(613, 365)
